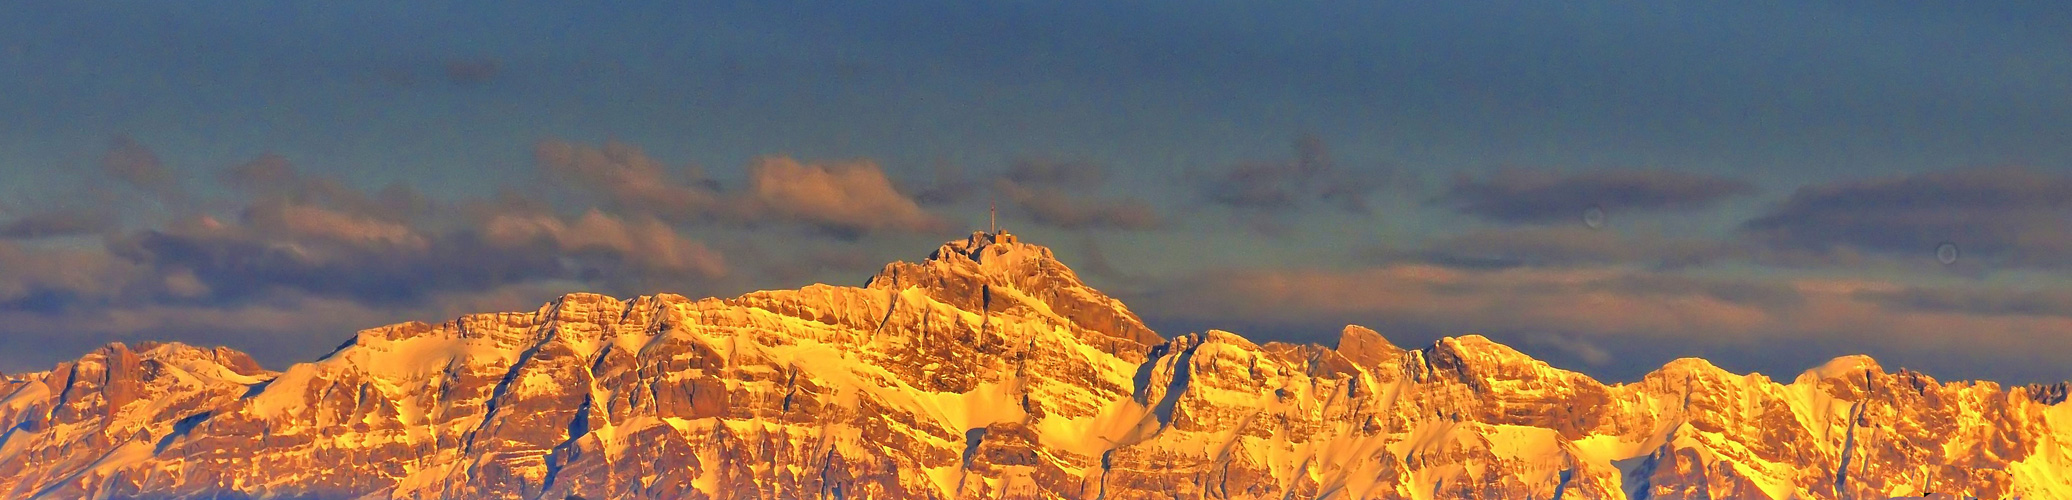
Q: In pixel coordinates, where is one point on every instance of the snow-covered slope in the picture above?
(985, 371)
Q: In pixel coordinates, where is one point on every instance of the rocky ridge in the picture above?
(986, 371)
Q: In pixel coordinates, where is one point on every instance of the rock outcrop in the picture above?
(986, 371)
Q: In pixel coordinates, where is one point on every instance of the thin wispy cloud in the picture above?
(1065, 195)
(1310, 177)
(139, 167)
(55, 223)
(1517, 196)
(1562, 246)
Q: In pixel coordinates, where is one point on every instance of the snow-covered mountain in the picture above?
(987, 371)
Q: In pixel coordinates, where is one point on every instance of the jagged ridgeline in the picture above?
(986, 371)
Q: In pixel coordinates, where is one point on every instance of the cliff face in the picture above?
(986, 371)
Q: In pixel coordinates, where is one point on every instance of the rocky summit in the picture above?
(987, 370)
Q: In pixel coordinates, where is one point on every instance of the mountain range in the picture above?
(987, 370)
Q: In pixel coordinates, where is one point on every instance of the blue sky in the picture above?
(1776, 176)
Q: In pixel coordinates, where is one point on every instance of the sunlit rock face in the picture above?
(985, 371)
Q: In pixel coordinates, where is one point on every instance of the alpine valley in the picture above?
(986, 371)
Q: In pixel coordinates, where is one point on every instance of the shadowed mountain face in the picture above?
(986, 371)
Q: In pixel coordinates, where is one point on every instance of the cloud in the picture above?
(283, 272)
(1284, 185)
(271, 179)
(327, 253)
(319, 236)
(1561, 246)
(1061, 194)
(49, 279)
(950, 186)
(1528, 197)
(472, 71)
(287, 253)
(138, 166)
(1095, 261)
(267, 173)
(2005, 216)
(1051, 193)
(1059, 208)
(286, 240)
(645, 245)
(275, 332)
(628, 180)
(844, 197)
(1995, 301)
(283, 314)
(1574, 345)
(847, 198)
(55, 223)
(1065, 174)
(1255, 185)
(311, 223)
(236, 263)
(284, 328)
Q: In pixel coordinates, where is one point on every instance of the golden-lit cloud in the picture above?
(845, 197)
(849, 197)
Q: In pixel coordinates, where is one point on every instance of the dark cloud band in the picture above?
(2002, 216)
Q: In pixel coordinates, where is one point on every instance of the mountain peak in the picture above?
(974, 247)
(1853, 366)
(996, 271)
(1365, 346)
(998, 253)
